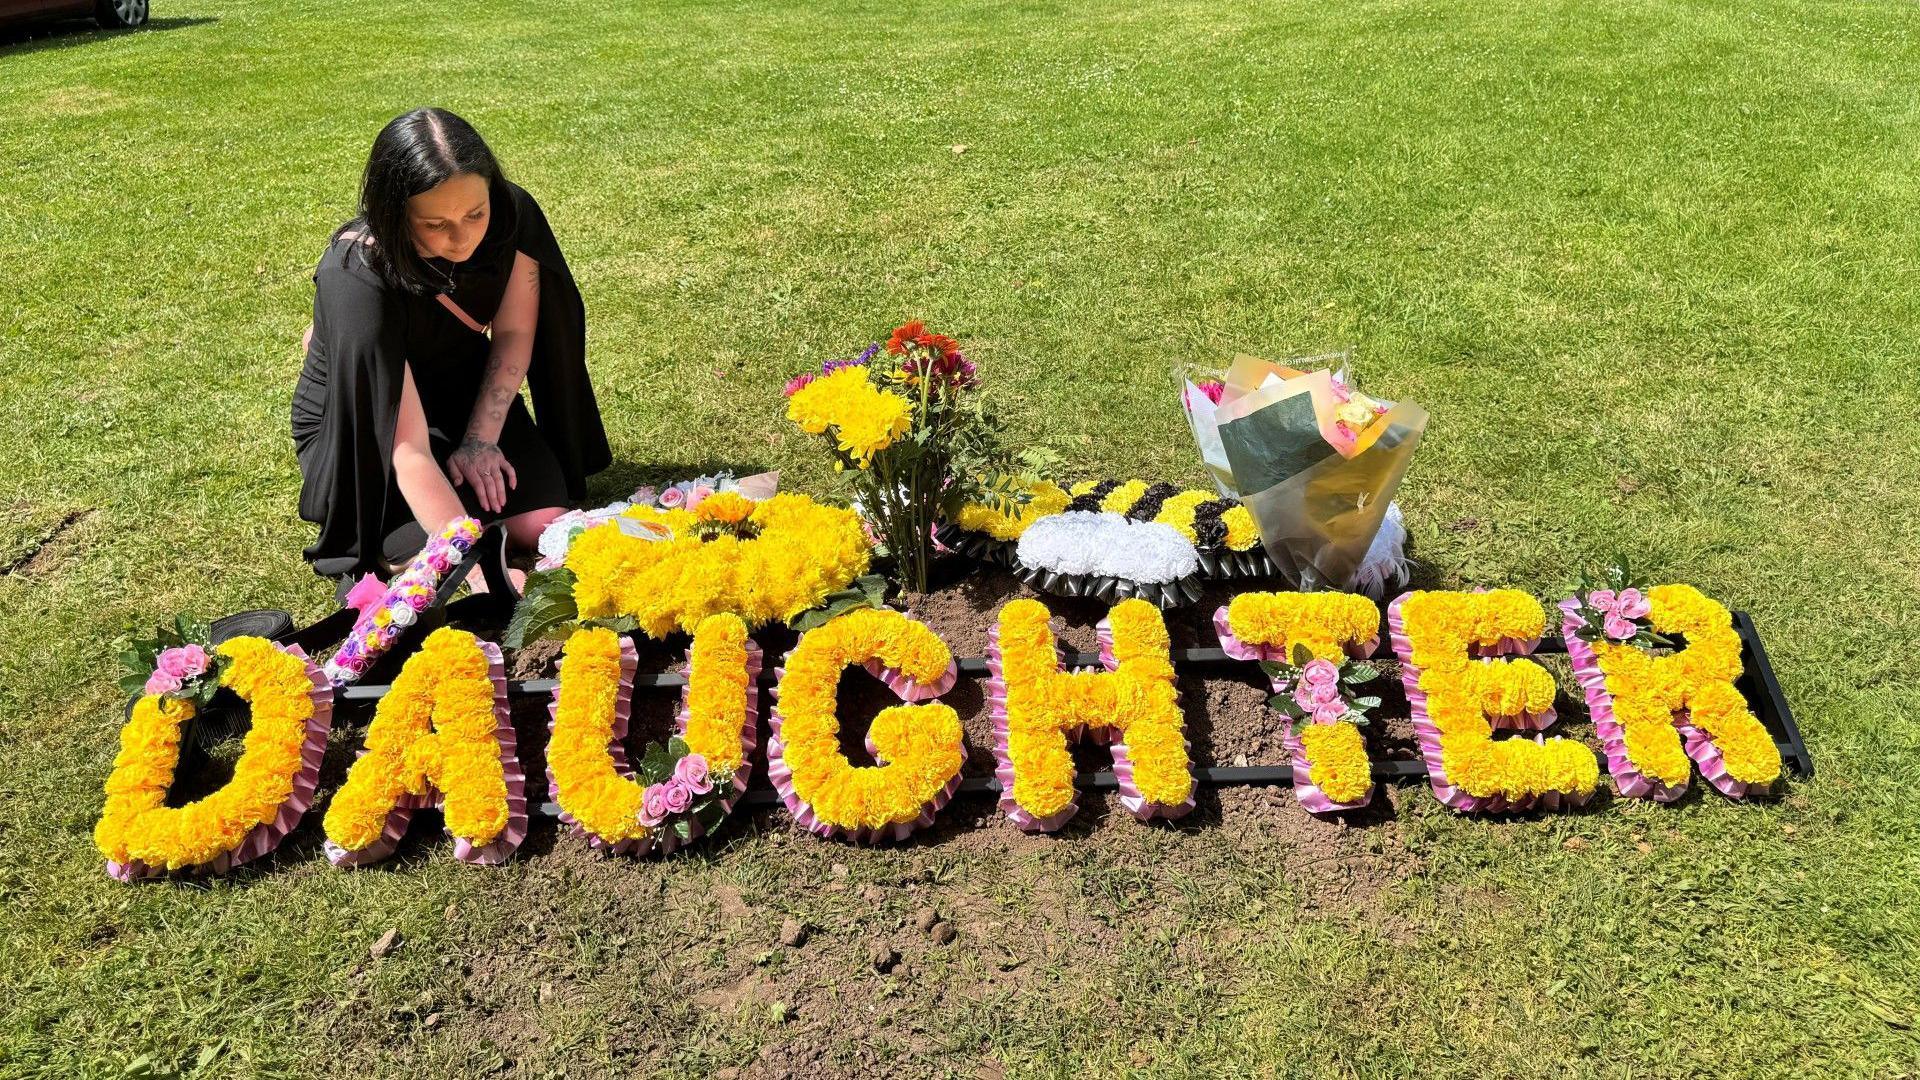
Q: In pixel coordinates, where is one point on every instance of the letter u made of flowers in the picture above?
(273, 782)
(1449, 645)
(921, 746)
(679, 792)
(1133, 706)
(1304, 642)
(1655, 712)
(441, 736)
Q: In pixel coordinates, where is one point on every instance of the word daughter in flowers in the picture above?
(431, 308)
(443, 734)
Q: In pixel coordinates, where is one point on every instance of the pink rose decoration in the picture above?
(184, 662)
(162, 683)
(1329, 714)
(1320, 673)
(653, 806)
(420, 601)
(692, 771)
(366, 593)
(1632, 605)
(679, 796)
(1602, 600)
(672, 498)
(1326, 694)
(1620, 629)
(698, 495)
(643, 494)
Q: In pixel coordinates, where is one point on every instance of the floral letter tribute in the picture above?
(1655, 712)
(273, 782)
(667, 570)
(588, 773)
(921, 744)
(388, 612)
(441, 736)
(1447, 643)
(1134, 705)
(1303, 642)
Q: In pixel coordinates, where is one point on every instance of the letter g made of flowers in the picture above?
(442, 736)
(1133, 706)
(921, 747)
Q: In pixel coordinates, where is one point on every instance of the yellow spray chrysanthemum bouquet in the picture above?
(905, 424)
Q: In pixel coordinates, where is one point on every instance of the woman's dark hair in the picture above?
(415, 152)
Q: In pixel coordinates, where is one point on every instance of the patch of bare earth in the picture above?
(51, 548)
(766, 952)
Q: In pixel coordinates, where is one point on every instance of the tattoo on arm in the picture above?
(500, 383)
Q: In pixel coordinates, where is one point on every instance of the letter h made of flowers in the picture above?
(1133, 706)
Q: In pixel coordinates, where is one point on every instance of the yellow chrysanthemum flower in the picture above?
(1045, 499)
(724, 508)
(1326, 623)
(1338, 765)
(802, 552)
(863, 418)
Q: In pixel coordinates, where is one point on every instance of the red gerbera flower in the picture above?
(910, 333)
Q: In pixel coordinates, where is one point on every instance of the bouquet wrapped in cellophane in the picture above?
(1316, 461)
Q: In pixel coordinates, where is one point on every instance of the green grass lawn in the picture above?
(1653, 266)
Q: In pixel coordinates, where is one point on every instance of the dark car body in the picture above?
(125, 13)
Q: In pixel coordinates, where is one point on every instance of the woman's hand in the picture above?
(482, 465)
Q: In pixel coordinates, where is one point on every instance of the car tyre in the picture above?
(120, 14)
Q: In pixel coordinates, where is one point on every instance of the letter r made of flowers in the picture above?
(1133, 705)
(1653, 713)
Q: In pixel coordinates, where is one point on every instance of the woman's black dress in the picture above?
(347, 401)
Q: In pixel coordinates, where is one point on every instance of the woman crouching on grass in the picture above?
(430, 310)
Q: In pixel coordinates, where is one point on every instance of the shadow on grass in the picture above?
(67, 33)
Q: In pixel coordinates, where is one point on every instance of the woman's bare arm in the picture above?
(479, 461)
(422, 484)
